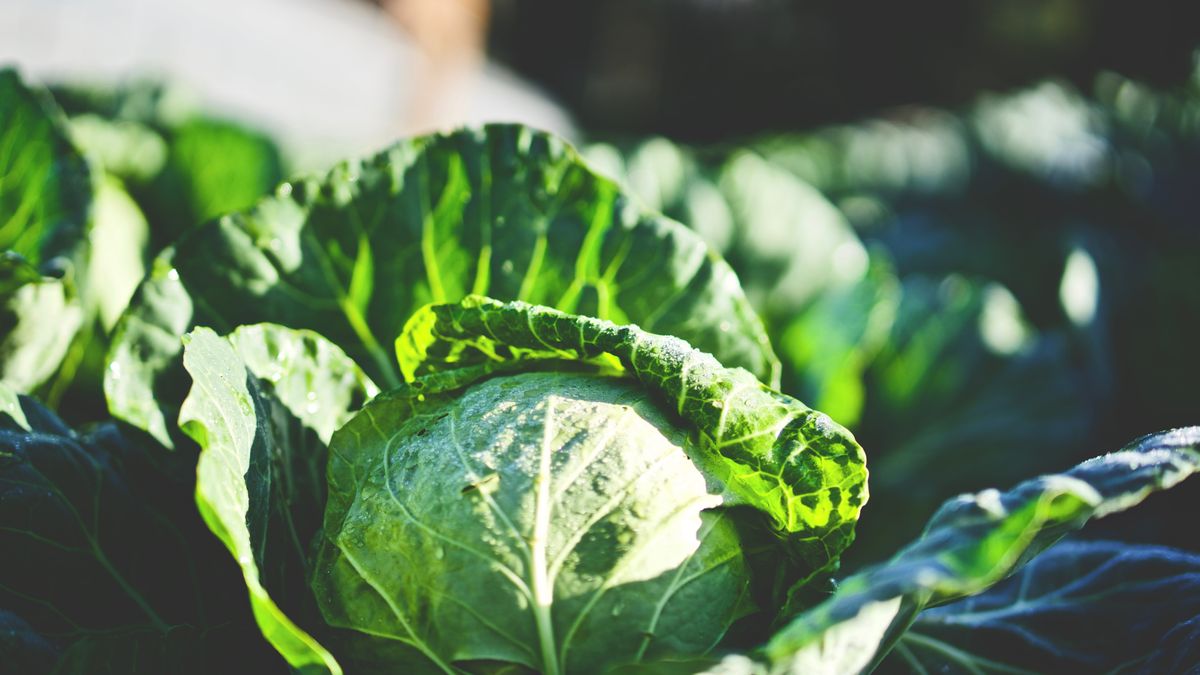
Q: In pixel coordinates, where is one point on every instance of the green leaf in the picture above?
(10, 404)
(143, 363)
(770, 451)
(792, 243)
(45, 197)
(946, 410)
(314, 379)
(1083, 606)
(45, 189)
(214, 167)
(15, 272)
(829, 345)
(39, 321)
(503, 210)
(119, 237)
(262, 402)
(126, 149)
(976, 540)
(107, 565)
(547, 519)
(227, 417)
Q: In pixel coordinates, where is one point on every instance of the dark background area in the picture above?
(706, 70)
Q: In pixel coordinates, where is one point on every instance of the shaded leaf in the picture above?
(976, 540)
(107, 564)
(1082, 606)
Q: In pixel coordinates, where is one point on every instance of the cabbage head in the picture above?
(556, 509)
(545, 519)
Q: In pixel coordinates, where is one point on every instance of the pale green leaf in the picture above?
(228, 419)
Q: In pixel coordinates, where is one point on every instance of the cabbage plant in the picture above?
(466, 406)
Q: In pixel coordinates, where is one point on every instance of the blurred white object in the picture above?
(329, 78)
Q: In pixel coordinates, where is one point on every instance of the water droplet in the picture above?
(439, 553)
(114, 370)
(173, 274)
(312, 396)
(312, 408)
(244, 404)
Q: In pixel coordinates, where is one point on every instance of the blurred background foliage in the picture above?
(708, 70)
(971, 228)
(980, 294)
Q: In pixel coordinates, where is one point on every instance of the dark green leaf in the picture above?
(106, 562)
(975, 541)
(1079, 607)
(25, 650)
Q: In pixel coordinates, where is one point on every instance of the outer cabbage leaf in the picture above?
(181, 165)
(126, 149)
(792, 243)
(1086, 606)
(262, 403)
(25, 649)
(1179, 650)
(45, 198)
(10, 406)
(503, 210)
(79, 229)
(314, 379)
(548, 519)
(671, 180)
(107, 567)
(39, 319)
(973, 542)
(119, 236)
(45, 189)
(768, 450)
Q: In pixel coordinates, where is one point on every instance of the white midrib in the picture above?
(541, 584)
